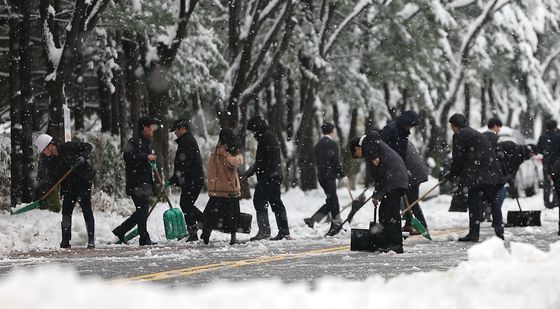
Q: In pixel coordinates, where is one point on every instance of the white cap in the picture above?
(42, 141)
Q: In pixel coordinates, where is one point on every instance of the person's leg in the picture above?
(66, 224)
(233, 218)
(141, 201)
(260, 201)
(210, 218)
(332, 205)
(490, 195)
(279, 210)
(390, 219)
(85, 204)
(192, 214)
(547, 191)
(474, 201)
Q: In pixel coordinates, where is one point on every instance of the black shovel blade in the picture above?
(243, 224)
(366, 239)
(524, 218)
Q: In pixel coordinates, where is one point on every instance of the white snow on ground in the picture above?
(39, 230)
(493, 277)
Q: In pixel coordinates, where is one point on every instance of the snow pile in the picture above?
(493, 277)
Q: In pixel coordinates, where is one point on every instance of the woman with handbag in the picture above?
(223, 186)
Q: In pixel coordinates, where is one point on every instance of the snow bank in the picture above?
(493, 277)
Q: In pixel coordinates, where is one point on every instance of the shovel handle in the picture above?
(409, 207)
(162, 185)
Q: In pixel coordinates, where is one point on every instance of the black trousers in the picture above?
(390, 218)
(550, 195)
(331, 204)
(188, 197)
(412, 195)
(139, 217)
(476, 196)
(268, 192)
(84, 197)
(221, 211)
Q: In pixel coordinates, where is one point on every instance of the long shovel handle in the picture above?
(349, 191)
(162, 185)
(423, 196)
(518, 204)
(58, 182)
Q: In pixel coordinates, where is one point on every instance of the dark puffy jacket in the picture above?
(474, 160)
(187, 171)
(396, 137)
(81, 178)
(391, 173)
(511, 156)
(549, 146)
(492, 139)
(268, 164)
(138, 168)
(327, 159)
(419, 170)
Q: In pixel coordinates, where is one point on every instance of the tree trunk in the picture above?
(132, 54)
(79, 92)
(16, 133)
(104, 103)
(290, 96)
(467, 91)
(483, 103)
(117, 98)
(349, 162)
(493, 103)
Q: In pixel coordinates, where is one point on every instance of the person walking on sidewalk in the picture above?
(549, 146)
(267, 167)
(477, 168)
(187, 175)
(76, 187)
(223, 186)
(329, 169)
(138, 154)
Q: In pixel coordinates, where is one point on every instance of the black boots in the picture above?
(205, 236)
(260, 236)
(499, 232)
(66, 227)
(90, 228)
(147, 242)
(264, 226)
(233, 240)
(120, 235)
(281, 236)
(470, 238)
(192, 234)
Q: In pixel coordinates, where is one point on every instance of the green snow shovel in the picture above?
(173, 218)
(37, 203)
(415, 222)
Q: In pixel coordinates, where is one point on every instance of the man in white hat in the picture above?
(58, 160)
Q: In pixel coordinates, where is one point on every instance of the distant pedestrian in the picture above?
(391, 183)
(59, 159)
(329, 169)
(267, 167)
(138, 154)
(549, 146)
(187, 175)
(494, 125)
(477, 168)
(223, 186)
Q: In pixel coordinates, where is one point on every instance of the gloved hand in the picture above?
(500, 155)
(166, 184)
(79, 161)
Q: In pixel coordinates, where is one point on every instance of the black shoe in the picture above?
(205, 236)
(309, 222)
(65, 245)
(468, 237)
(120, 236)
(396, 248)
(91, 244)
(335, 229)
(192, 237)
(259, 236)
(281, 236)
(499, 232)
(148, 242)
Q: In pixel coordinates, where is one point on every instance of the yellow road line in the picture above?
(229, 264)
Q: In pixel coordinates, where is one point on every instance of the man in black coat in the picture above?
(187, 175)
(492, 135)
(395, 133)
(59, 159)
(138, 154)
(419, 172)
(549, 146)
(477, 168)
(267, 167)
(391, 183)
(329, 169)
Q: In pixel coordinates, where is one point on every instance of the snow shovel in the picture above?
(322, 213)
(356, 205)
(173, 218)
(416, 223)
(132, 234)
(523, 218)
(36, 204)
(366, 239)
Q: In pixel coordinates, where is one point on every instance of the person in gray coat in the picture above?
(419, 171)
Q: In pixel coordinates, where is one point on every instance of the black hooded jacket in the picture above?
(81, 178)
(138, 168)
(511, 156)
(187, 169)
(268, 164)
(327, 160)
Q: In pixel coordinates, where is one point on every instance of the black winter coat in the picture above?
(511, 156)
(80, 179)
(395, 137)
(327, 160)
(492, 139)
(474, 160)
(415, 164)
(187, 169)
(138, 168)
(391, 173)
(549, 146)
(268, 164)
